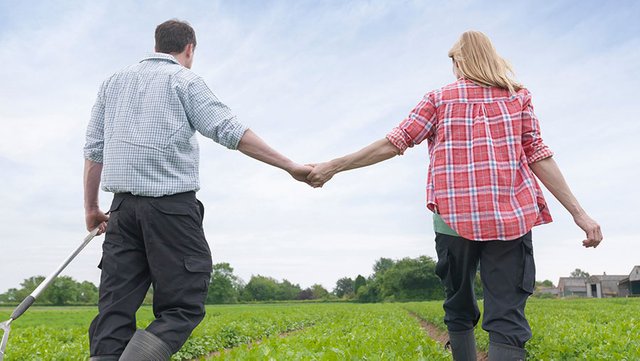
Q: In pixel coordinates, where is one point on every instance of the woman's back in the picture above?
(481, 140)
(484, 148)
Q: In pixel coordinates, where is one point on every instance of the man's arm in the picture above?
(549, 174)
(375, 152)
(253, 146)
(94, 217)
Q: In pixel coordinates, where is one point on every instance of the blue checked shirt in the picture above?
(143, 125)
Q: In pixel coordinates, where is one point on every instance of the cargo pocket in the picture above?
(200, 267)
(177, 209)
(529, 267)
(115, 205)
(113, 234)
(443, 267)
(201, 209)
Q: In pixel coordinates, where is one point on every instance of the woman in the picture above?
(484, 148)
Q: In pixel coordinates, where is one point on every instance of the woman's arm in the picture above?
(376, 152)
(549, 174)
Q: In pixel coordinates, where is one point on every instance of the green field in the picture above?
(593, 329)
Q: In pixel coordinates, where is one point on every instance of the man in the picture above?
(141, 145)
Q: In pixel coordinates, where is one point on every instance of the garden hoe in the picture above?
(27, 302)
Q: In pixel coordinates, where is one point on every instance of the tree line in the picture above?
(64, 290)
(407, 279)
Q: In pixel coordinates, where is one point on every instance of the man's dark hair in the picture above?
(173, 36)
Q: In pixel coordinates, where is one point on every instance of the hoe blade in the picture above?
(5, 326)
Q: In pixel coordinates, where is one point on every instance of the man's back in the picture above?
(143, 123)
(140, 141)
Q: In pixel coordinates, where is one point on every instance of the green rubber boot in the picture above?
(463, 345)
(145, 346)
(502, 352)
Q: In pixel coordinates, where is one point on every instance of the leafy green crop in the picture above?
(568, 329)
(350, 332)
(578, 329)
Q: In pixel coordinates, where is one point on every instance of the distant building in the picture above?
(553, 291)
(604, 286)
(572, 286)
(630, 286)
(601, 286)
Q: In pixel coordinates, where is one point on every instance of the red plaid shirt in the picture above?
(481, 142)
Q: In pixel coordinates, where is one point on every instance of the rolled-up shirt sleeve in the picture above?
(534, 148)
(211, 117)
(94, 143)
(418, 126)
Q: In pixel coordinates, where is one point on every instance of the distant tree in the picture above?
(370, 292)
(306, 294)
(545, 283)
(411, 279)
(11, 296)
(260, 288)
(477, 286)
(287, 291)
(381, 266)
(62, 291)
(319, 292)
(28, 286)
(224, 286)
(579, 273)
(87, 293)
(344, 287)
(359, 282)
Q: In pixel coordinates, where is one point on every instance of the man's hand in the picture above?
(321, 174)
(96, 218)
(591, 228)
(300, 172)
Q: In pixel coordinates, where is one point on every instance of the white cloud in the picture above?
(316, 81)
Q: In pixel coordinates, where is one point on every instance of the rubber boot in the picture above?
(145, 346)
(463, 345)
(104, 358)
(502, 352)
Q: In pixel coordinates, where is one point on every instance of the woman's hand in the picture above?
(591, 228)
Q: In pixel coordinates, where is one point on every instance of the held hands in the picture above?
(315, 175)
(591, 229)
(300, 172)
(321, 174)
(96, 218)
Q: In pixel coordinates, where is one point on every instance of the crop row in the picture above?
(350, 332)
(562, 330)
(575, 329)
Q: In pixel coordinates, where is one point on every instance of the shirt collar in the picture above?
(161, 56)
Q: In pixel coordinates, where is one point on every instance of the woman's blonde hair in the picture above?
(478, 61)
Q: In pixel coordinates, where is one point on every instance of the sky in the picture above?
(317, 80)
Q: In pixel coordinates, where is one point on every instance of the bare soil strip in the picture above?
(251, 344)
(441, 336)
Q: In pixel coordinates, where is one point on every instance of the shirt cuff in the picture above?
(398, 138)
(235, 135)
(540, 154)
(93, 155)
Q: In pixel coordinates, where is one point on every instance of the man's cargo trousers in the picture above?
(159, 242)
